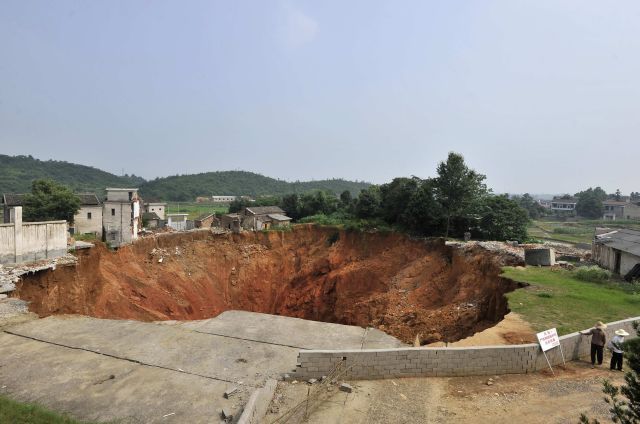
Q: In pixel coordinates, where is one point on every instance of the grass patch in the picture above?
(196, 209)
(579, 231)
(557, 298)
(595, 274)
(28, 413)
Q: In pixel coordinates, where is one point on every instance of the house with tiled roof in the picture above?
(88, 220)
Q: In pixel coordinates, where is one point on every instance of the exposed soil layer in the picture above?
(402, 286)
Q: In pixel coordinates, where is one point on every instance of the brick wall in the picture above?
(444, 362)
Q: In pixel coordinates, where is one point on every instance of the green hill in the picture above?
(188, 187)
(17, 173)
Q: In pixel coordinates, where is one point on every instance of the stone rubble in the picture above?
(10, 274)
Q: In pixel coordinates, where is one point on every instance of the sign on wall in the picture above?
(548, 339)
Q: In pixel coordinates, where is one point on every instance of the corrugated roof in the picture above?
(12, 199)
(279, 217)
(614, 203)
(265, 210)
(624, 239)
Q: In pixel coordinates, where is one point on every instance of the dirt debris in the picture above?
(402, 286)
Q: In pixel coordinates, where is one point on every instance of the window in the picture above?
(130, 195)
(88, 215)
(113, 212)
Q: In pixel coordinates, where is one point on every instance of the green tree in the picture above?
(290, 203)
(624, 401)
(346, 201)
(529, 204)
(50, 201)
(618, 195)
(502, 219)
(368, 203)
(319, 202)
(589, 203)
(457, 188)
(423, 213)
(395, 196)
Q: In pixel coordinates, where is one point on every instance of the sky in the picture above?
(542, 96)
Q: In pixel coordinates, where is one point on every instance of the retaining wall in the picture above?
(445, 362)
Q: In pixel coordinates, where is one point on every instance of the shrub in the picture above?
(547, 295)
(593, 274)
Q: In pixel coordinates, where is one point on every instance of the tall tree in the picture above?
(502, 219)
(457, 188)
(589, 203)
(423, 213)
(50, 201)
(368, 203)
(395, 197)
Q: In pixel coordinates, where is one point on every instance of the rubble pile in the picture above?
(10, 274)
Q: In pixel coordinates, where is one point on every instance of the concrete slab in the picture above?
(222, 358)
(79, 383)
(294, 332)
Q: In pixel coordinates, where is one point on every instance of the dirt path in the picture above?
(529, 398)
(511, 330)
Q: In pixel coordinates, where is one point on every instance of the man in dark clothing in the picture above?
(598, 339)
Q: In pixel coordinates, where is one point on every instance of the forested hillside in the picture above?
(188, 187)
(17, 173)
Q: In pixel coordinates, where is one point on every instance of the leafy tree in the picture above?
(502, 219)
(423, 213)
(50, 201)
(320, 202)
(291, 205)
(457, 188)
(346, 201)
(395, 197)
(589, 203)
(635, 196)
(625, 409)
(368, 203)
(618, 195)
(528, 203)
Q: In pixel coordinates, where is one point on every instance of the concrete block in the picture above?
(344, 387)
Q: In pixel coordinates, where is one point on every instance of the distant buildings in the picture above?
(564, 204)
(614, 210)
(159, 208)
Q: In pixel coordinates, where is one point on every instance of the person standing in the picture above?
(598, 339)
(615, 345)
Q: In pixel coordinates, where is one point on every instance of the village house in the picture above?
(157, 207)
(177, 221)
(263, 217)
(231, 221)
(10, 201)
(206, 220)
(151, 220)
(619, 251)
(614, 210)
(121, 216)
(223, 199)
(561, 204)
(88, 220)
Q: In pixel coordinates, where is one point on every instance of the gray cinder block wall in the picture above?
(445, 362)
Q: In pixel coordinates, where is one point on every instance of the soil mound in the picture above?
(403, 286)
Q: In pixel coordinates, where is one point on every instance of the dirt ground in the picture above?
(528, 398)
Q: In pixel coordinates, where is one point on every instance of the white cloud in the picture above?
(299, 28)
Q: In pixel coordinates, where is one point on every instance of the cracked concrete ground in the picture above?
(129, 371)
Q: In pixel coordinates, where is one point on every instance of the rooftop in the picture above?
(624, 239)
(265, 210)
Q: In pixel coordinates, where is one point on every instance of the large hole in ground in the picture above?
(402, 286)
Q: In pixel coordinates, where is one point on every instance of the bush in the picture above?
(593, 274)
(546, 295)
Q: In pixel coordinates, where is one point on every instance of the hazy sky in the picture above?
(542, 96)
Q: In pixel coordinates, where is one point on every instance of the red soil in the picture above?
(400, 285)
